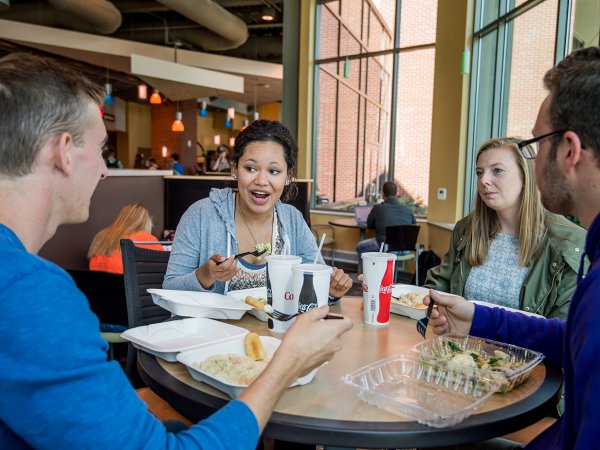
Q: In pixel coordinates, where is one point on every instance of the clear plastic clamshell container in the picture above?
(507, 364)
(405, 386)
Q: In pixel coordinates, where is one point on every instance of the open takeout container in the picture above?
(438, 351)
(236, 346)
(167, 339)
(259, 292)
(199, 304)
(403, 385)
(405, 310)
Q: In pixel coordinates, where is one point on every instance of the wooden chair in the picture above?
(402, 240)
(142, 269)
(318, 230)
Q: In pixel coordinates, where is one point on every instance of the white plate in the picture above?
(236, 346)
(199, 304)
(493, 305)
(254, 292)
(166, 339)
(409, 311)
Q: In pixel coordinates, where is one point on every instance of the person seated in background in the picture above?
(387, 214)
(177, 167)
(229, 221)
(221, 163)
(110, 158)
(133, 222)
(567, 171)
(138, 163)
(58, 389)
(151, 164)
(510, 251)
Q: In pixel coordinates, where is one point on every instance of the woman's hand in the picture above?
(210, 271)
(453, 314)
(340, 283)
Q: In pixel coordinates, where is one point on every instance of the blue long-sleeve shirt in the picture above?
(575, 344)
(57, 390)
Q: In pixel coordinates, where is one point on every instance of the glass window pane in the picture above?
(346, 166)
(328, 33)
(532, 55)
(326, 136)
(348, 44)
(585, 29)
(413, 127)
(377, 36)
(489, 12)
(484, 97)
(418, 22)
(351, 12)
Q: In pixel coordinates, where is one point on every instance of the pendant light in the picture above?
(203, 112)
(142, 91)
(177, 125)
(108, 98)
(155, 98)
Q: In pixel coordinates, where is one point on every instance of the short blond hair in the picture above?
(484, 223)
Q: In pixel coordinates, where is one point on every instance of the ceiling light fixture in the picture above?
(230, 116)
(142, 92)
(108, 98)
(268, 14)
(155, 98)
(177, 125)
(203, 112)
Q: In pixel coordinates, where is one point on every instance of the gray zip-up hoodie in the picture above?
(206, 228)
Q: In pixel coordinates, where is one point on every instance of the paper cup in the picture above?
(311, 285)
(280, 282)
(378, 277)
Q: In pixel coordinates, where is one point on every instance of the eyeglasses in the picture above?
(530, 151)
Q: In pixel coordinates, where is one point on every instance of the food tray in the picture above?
(199, 304)
(166, 339)
(409, 311)
(439, 351)
(405, 386)
(254, 292)
(236, 346)
(493, 305)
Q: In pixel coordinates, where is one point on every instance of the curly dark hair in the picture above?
(270, 131)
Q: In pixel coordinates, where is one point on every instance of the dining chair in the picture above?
(402, 241)
(105, 293)
(318, 230)
(143, 269)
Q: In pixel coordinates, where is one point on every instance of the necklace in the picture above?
(244, 221)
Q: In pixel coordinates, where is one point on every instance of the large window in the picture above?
(363, 67)
(515, 43)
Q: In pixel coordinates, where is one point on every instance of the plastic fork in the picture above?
(422, 323)
(241, 255)
(285, 317)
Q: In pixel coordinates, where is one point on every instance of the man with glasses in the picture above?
(567, 156)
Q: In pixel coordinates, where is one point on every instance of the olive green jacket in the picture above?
(552, 277)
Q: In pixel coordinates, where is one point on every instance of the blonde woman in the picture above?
(133, 222)
(510, 251)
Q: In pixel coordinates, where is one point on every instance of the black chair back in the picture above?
(105, 293)
(142, 269)
(401, 237)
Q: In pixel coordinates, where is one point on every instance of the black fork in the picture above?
(422, 323)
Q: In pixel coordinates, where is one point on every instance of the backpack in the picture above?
(427, 260)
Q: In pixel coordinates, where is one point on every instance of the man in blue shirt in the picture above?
(566, 148)
(177, 167)
(57, 390)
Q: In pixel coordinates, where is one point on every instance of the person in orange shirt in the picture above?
(133, 222)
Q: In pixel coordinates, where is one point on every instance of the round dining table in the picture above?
(350, 222)
(329, 412)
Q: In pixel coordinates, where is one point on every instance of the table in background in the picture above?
(350, 223)
(327, 411)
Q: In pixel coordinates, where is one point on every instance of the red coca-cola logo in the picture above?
(288, 296)
(385, 289)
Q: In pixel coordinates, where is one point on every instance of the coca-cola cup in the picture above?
(378, 276)
(280, 281)
(311, 285)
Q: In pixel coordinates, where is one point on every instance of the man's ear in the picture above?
(572, 154)
(63, 146)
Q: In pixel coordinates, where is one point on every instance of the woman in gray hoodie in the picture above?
(230, 221)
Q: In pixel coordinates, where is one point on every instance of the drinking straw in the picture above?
(320, 247)
(381, 247)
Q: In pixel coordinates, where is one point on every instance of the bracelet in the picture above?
(333, 300)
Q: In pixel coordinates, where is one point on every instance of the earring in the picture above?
(287, 181)
(234, 176)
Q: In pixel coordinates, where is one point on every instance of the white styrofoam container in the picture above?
(409, 311)
(254, 292)
(166, 339)
(199, 304)
(235, 346)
